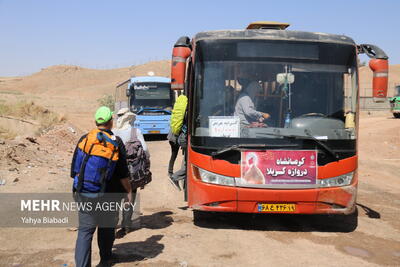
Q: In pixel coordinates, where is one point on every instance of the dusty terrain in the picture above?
(168, 236)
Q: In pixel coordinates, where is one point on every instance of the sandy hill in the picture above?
(72, 91)
(66, 80)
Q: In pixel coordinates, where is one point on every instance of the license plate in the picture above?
(276, 207)
(155, 132)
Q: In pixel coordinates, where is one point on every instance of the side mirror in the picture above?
(285, 78)
(128, 91)
(380, 67)
(180, 53)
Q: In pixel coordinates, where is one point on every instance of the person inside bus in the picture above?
(245, 108)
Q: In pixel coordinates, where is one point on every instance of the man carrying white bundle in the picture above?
(125, 130)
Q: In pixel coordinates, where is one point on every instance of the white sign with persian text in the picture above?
(224, 126)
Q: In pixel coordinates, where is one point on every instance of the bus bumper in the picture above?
(152, 124)
(334, 200)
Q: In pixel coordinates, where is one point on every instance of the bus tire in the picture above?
(201, 216)
(396, 115)
(348, 222)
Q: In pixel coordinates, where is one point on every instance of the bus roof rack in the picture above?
(270, 25)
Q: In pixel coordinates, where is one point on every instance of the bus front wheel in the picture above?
(202, 216)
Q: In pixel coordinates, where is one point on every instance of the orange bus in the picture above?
(273, 118)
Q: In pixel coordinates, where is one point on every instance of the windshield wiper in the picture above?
(238, 147)
(308, 136)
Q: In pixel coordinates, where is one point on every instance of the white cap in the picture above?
(125, 120)
(122, 111)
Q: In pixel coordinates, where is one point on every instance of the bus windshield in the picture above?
(267, 89)
(151, 95)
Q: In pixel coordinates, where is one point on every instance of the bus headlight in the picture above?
(213, 178)
(340, 180)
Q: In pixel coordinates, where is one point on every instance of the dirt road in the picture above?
(168, 236)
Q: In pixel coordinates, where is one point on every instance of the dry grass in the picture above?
(10, 92)
(107, 100)
(31, 111)
(6, 133)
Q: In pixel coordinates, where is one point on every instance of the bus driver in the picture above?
(244, 107)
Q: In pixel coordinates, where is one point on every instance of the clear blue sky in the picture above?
(107, 34)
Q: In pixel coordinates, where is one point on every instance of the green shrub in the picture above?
(107, 100)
